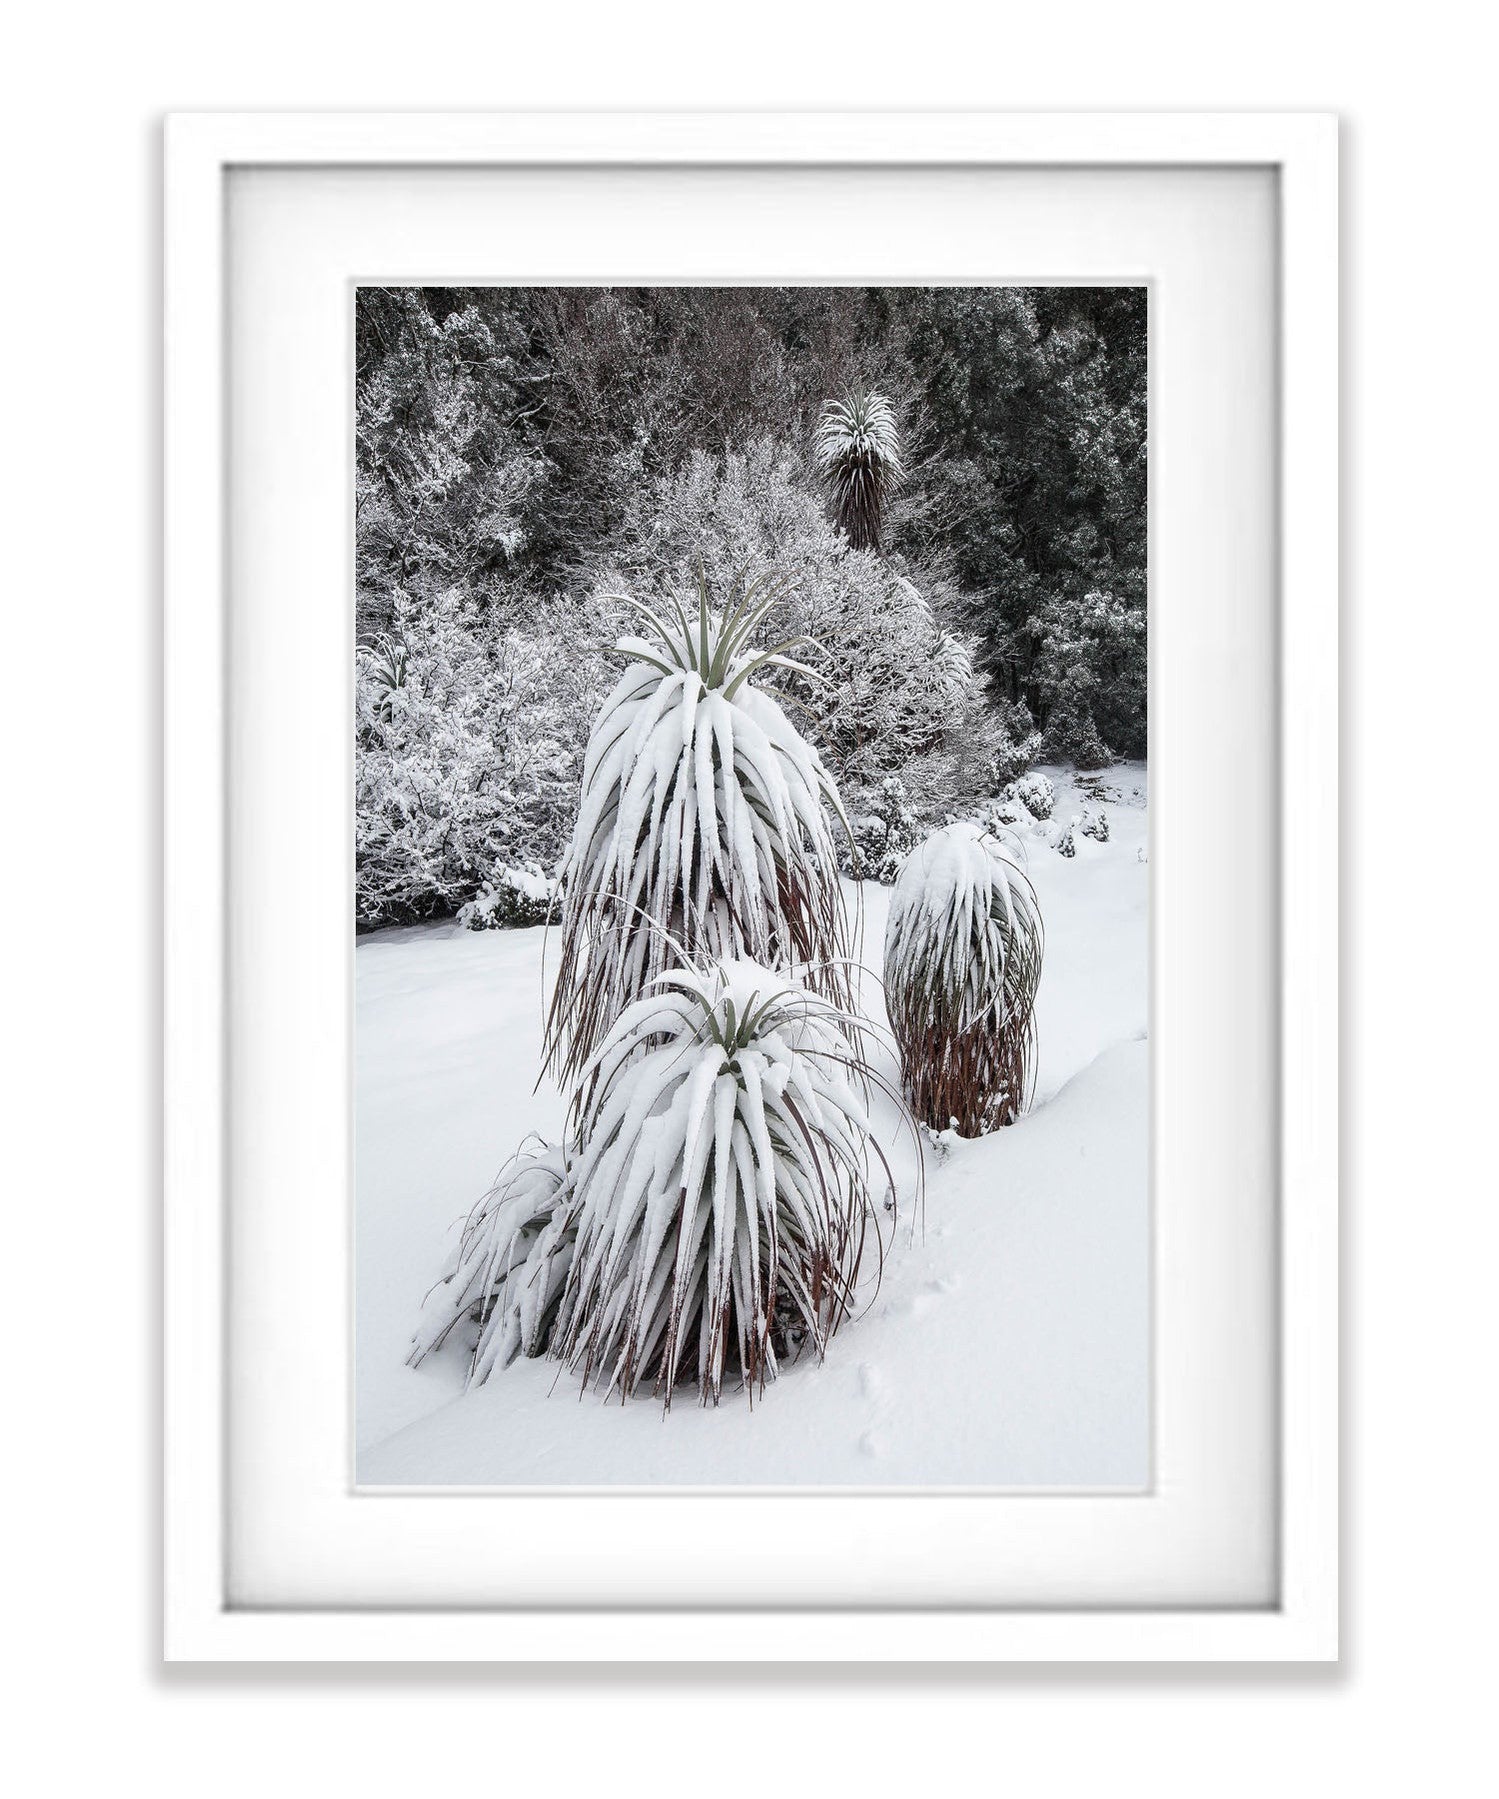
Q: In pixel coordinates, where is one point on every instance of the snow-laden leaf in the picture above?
(511, 1263)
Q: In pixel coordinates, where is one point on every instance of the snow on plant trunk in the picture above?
(963, 949)
(724, 1184)
(704, 831)
(511, 1265)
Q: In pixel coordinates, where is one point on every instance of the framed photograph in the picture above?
(752, 887)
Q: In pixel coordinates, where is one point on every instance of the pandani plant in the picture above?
(963, 948)
(708, 1213)
(705, 828)
(857, 450)
(723, 1184)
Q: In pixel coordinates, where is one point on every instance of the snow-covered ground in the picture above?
(1008, 1340)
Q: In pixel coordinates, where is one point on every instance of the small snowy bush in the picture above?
(1063, 841)
(511, 1264)
(470, 728)
(1036, 794)
(1071, 736)
(510, 899)
(963, 948)
(996, 816)
(1017, 744)
(723, 1185)
(885, 831)
(705, 829)
(1095, 825)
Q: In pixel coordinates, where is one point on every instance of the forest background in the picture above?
(525, 457)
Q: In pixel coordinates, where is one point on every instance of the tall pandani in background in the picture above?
(857, 450)
(963, 950)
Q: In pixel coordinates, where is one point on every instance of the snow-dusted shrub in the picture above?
(894, 682)
(1018, 745)
(1095, 825)
(473, 755)
(963, 950)
(705, 830)
(1036, 793)
(885, 831)
(1063, 842)
(1071, 736)
(511, 1264)
(998, 815)
(510, 899)
(723, 1186)
(857, 446)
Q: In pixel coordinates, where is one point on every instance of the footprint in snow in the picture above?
(919, 1301)
(871, 1443)
(869, 1380)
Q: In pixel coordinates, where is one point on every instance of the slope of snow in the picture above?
(1006, 1342)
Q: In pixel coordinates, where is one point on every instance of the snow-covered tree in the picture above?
(1089, 669)
(448, 472)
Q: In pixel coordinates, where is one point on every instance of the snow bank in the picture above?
(1008, 1341)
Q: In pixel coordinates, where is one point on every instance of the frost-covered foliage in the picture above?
(1038, 400)
(511, 898)
(1017, 745)
(510, 1267)
(723, 1187)
(997, 816)
(473, 755)
(507, 434)
(444, 481)
(1036, 793)
(384, 664)
(705, 830)
(1095, 825)
(858, 452)
(895, 681)
(1090, 669)
(963, 947)
(885, 831)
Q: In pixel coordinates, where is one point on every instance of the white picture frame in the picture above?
(202, 1619)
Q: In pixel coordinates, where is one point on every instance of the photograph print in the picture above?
(751, 875)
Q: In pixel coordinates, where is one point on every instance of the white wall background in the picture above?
(78, 498)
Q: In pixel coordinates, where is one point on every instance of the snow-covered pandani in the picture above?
(963, 948)
(723, 1184)
(857, 446)
(705, 830)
